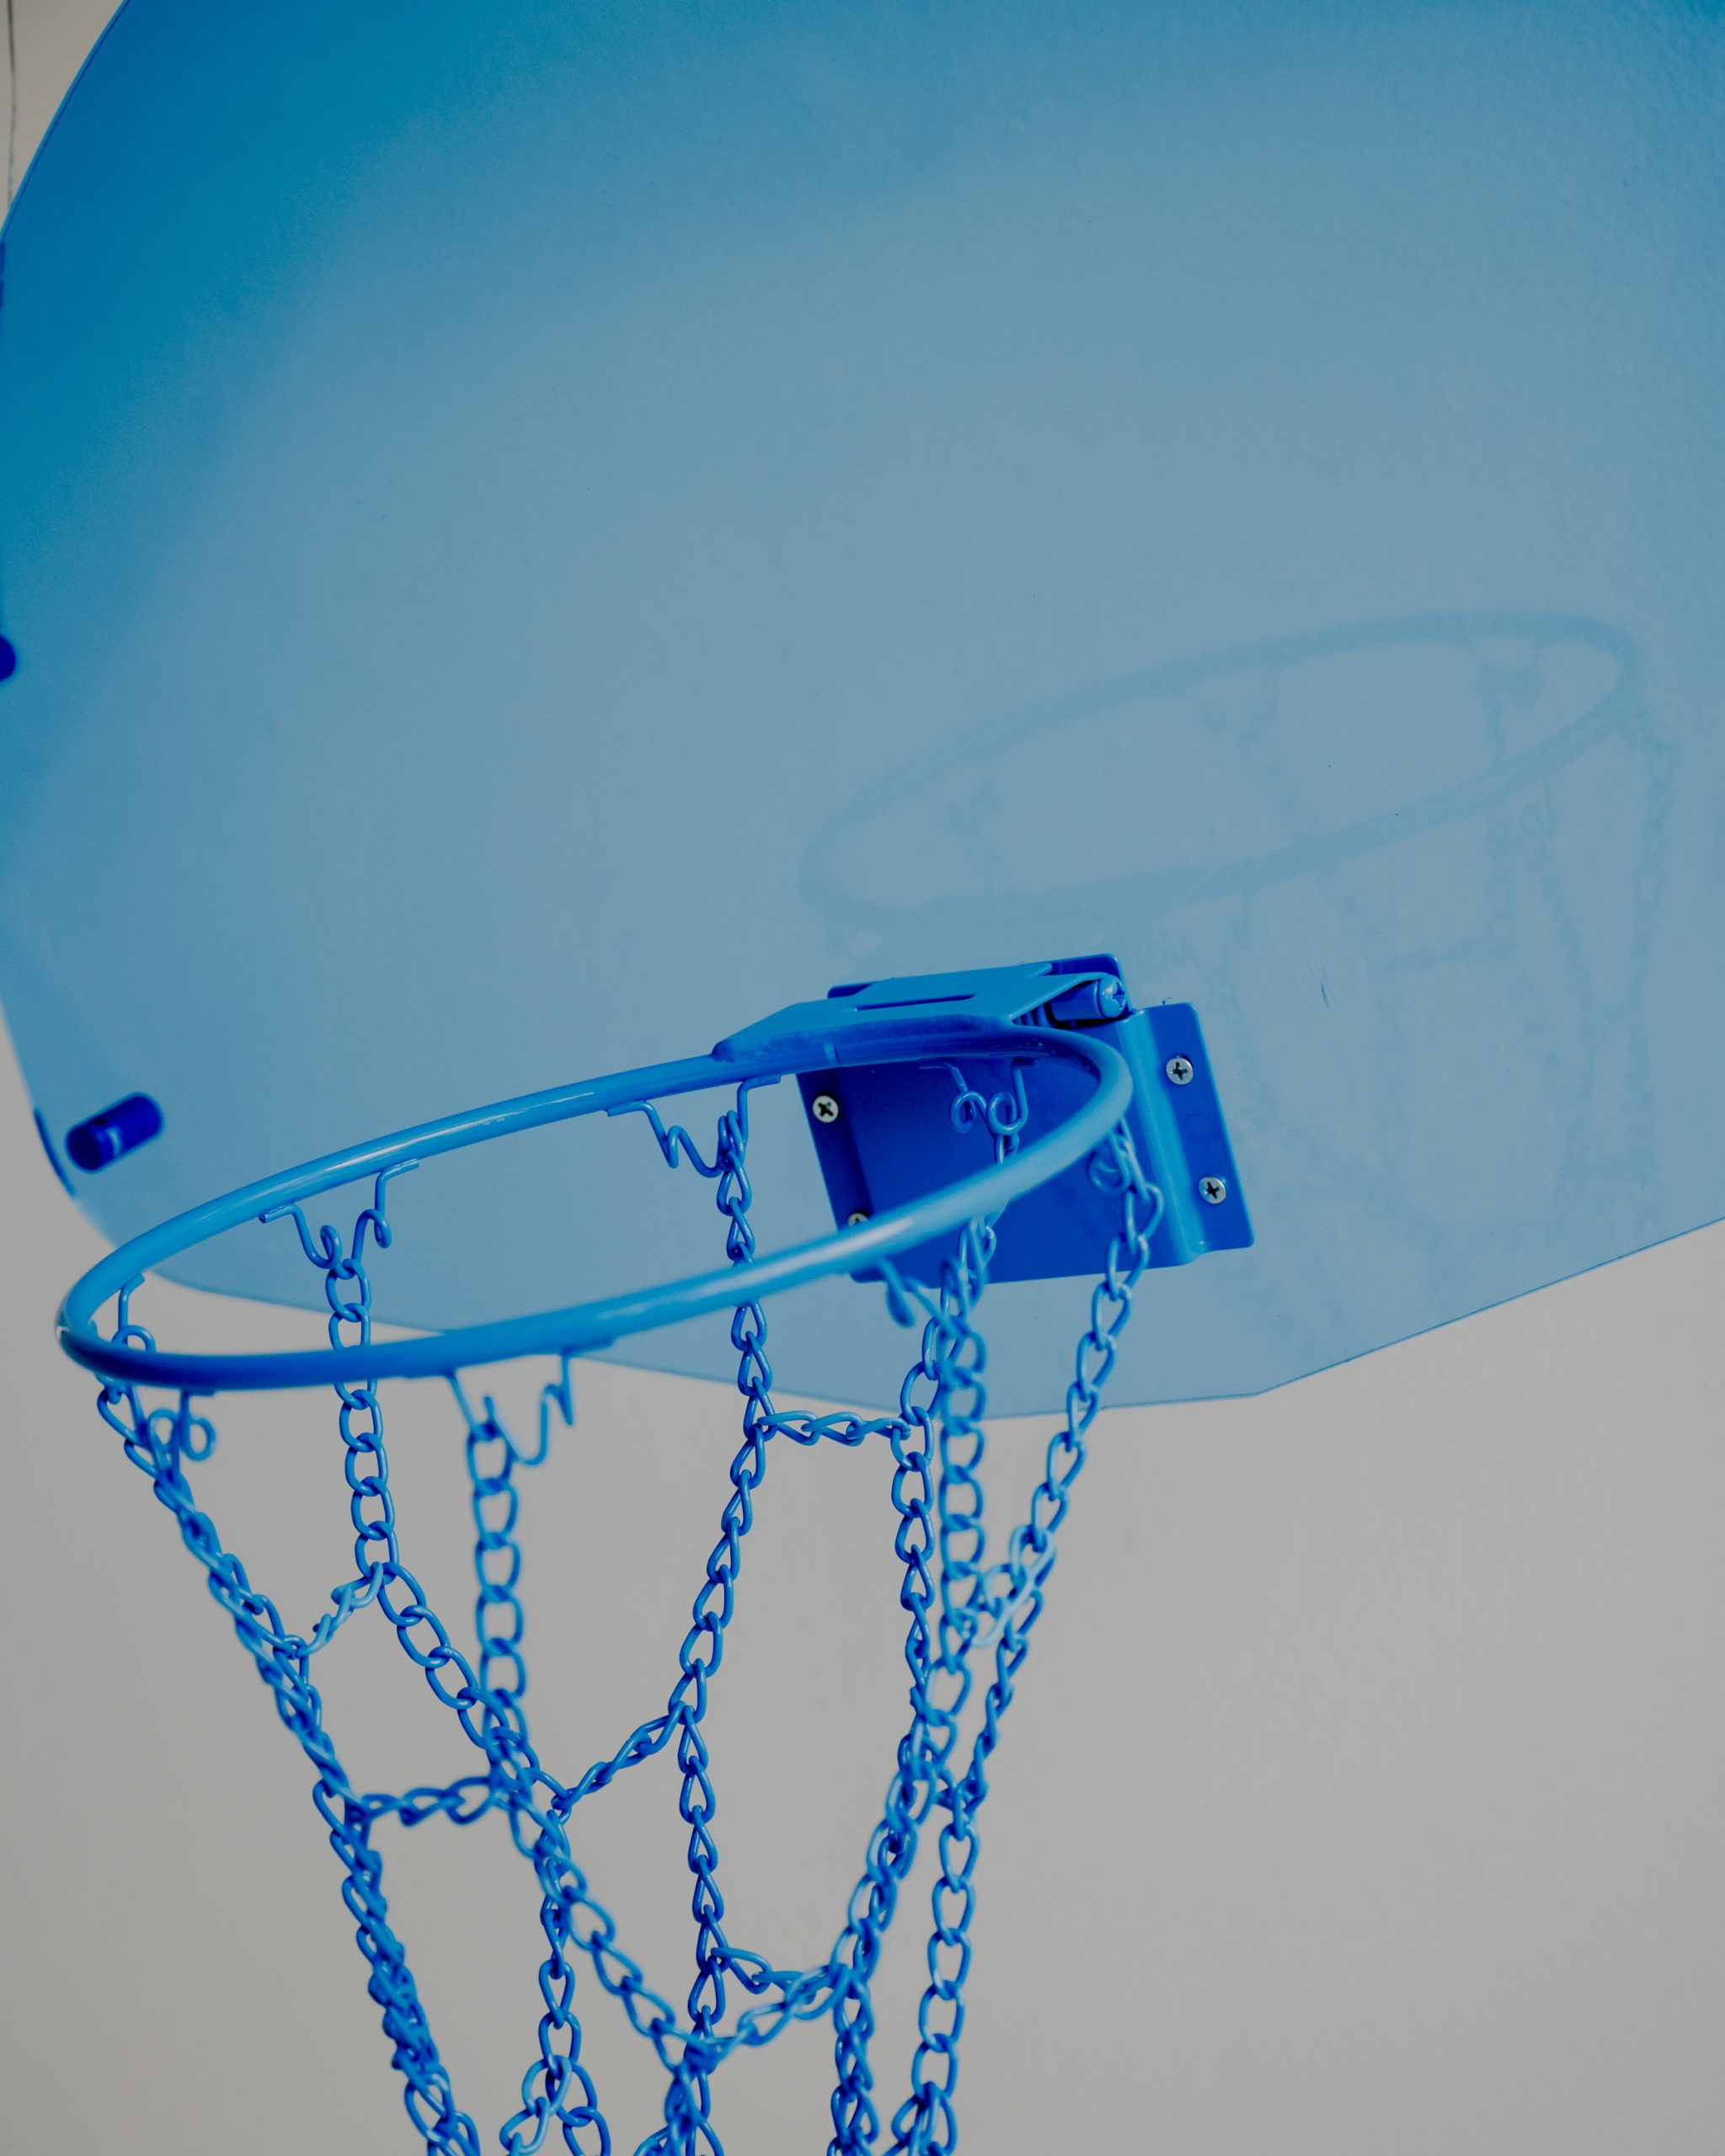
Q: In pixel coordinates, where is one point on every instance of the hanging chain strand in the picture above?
(927, 2120)
(960, 1609)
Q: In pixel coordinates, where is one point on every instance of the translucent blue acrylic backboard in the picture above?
(537, 534)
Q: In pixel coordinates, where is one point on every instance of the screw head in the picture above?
(1178, 1069)
(1111, 997)
(824, 1108)
(855, 1220)
(1212, 1189)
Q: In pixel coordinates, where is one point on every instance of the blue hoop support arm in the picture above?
(758, 1056)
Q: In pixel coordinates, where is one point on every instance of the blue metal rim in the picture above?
(583, 1328)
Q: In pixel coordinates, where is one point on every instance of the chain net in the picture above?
(969, 1619)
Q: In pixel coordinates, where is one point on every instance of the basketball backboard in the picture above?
(535, 535)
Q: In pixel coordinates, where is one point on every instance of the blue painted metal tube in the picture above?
(583, 1327)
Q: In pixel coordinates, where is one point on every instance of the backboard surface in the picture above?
(537, 534)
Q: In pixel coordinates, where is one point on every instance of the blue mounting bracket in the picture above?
(885, 1134)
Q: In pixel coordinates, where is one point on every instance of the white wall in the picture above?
(1362, 1793)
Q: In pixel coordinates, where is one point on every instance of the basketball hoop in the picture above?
(984, 1047)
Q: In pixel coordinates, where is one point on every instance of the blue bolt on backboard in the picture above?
(537, 534)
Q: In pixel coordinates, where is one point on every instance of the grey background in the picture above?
(1362, 1793)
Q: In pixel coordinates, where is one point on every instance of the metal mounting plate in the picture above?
(885, 1132)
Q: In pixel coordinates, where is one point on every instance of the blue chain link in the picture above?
(959, 1607)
